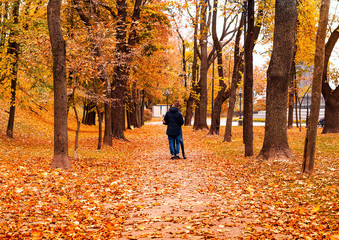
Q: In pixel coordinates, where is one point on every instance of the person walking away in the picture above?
(174, 120)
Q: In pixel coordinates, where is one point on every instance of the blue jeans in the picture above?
(181, 141)
(174, 140)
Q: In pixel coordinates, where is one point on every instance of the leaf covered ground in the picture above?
(134, 191)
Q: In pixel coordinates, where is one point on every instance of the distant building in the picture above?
(159, 110)
(304, 78)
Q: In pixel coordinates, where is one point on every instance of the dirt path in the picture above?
(174, 200)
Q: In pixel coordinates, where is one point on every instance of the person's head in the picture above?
(176, 104)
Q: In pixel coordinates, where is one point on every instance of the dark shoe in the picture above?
(177, 157)
(183, 156)
(173, 157)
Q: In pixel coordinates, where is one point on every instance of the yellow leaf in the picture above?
(316, 209)
(141, 227)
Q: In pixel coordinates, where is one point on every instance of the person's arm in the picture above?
(165, 121)
(181, 120)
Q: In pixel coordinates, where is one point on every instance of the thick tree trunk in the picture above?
(121, 69)
(201, 110)
(189, 110)
(13, 51)
(248, 82)
(332, 112)
(134, 108)
(319, 60)
(331, 96)
(61, 159)
(120, 73)
(278, 76)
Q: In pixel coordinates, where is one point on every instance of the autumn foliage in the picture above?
(134, 191)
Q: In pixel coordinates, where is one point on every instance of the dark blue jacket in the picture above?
(174, 120)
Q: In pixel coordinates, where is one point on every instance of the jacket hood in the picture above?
(174, 109)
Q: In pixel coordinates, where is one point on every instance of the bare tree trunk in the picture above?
(291, 91)
(134, 108)
(331, 96)
(99, 113)
(300, 104)
(278, 76)
(13, 51)
(142, 107)
(290, 105)
(236, 77)
(108, 115)
(248, 82)
(296, 99)
(201, 110)
(76, 141)
(319, 57)
(100, 127)
(190, 100)
(121, 69)
(61, 159)
(222, 93)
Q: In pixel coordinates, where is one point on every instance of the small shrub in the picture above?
(147, 115)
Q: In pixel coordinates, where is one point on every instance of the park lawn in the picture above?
(263, 200)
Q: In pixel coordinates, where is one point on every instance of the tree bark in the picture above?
(278, 76)
(89, 113)
(290, 105)
(296, 100)
(76, 140)
(201, 109)
(331, 96)
(291, 91)
(60, 159)
(121, 69)
(190, 100)
(13, 51)
(223, 93)
(99, 113)
(142, 107)
(248, 82)
(236, 77)
(319, 60)
(134, 108)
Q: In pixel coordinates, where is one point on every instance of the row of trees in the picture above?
(118, 56)
(286, 54)
(100, 52)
